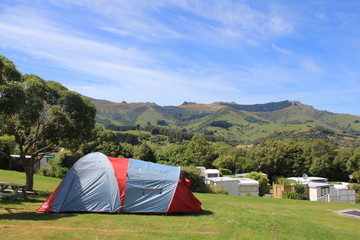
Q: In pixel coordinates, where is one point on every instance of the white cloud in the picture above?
(281, 50)
(168, 51)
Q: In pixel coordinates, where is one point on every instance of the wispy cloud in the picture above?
(168, 51)
(310, 66)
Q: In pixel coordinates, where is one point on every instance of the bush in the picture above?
(356, 175)
(53, 171)
(66, 159)
(356, 187)
(218, 189)
(60, 164)
(197, 181)
(224, 171)
(284, 181)
(299, 188)
(264, 186)
(292, 195)
(221, 124)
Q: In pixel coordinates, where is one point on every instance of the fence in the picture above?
(280, 190)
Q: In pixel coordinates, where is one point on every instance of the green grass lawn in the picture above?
(226, 217)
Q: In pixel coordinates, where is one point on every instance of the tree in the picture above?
(41, 115)
(229, 157)
(322, 156)
(199, 152)
(353, 164)
(172, 154)
(338, 170)
(144, 152)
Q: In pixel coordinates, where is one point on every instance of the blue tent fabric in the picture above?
(150, 187)
(90, 185)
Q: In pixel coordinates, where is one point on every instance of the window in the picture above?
(212, 175)
(325, 190)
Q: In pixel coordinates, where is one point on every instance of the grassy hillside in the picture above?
(245, 123)
(226, 217)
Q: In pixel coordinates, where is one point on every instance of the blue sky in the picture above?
(171, 51)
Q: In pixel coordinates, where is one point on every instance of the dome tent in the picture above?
(98, 183)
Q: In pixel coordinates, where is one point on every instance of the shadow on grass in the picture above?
(181, 214)
(173, 214)
(20, 200)
(32, 216)
(13, 214)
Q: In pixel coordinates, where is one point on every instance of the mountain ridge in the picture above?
(233, 121)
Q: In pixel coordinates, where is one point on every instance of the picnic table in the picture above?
(12, 190)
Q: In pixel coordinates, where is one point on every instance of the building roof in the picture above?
(223, 179)
(242, 181)
(309, 179)
(248, 181)
(241, 175)
(211, 171)
(317, 184)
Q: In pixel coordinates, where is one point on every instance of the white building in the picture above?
(231, 184)
(44, 162)
(237, 186)
(212, 173)
(327, 192)
(248, 187)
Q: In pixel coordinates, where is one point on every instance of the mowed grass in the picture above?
(226, 217)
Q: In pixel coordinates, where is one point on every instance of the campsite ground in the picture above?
(226, 217)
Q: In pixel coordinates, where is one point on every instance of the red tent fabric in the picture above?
(184, 200)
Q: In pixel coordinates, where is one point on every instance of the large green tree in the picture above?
(41, 115)
(322, 157)
(199, 152)
(144, 152)
(353, 164)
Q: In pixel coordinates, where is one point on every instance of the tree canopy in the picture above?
(41, 115)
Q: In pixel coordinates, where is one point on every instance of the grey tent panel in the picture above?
(90, 185)
(150, 187)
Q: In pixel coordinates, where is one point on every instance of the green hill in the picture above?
(235, 122)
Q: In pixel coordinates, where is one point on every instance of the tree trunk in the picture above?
(30, 171)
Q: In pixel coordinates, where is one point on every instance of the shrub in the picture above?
(221, 124)
(299, 188)
(218, 189)
(66, 159)
(60, 164)
(292, 195)
(283, 181)
(356, 175)
(197, 181)
(53, 171)
(356, 187)
(224, 171)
